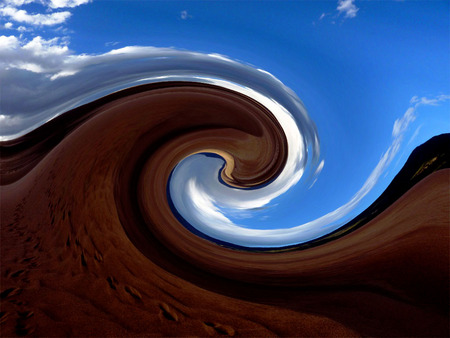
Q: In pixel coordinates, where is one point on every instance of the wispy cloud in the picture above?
(67, 3)
(416, 133)
(348, 8)
(184, 15)
(345, 7)
(111, 43)
(22, 16)
(22, 29)
(401, 124)
(18, 3)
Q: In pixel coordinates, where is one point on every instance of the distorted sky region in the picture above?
(373, 77)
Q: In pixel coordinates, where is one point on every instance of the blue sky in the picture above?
(358, 67)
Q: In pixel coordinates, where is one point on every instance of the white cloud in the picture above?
(322, 16)
(63, 73)
(8, 25)
(317, 173)
(22, 16)
(47, 3)
(414, 99)
(41, 47)
(18, 3)
(11, 9)
(348, 8)
(205, 208)
(38, 55)
(67, 3)
(32, 67)
(8, 43)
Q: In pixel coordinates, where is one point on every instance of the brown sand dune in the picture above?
(86, 251)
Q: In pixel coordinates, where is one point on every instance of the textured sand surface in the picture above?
(85, 251)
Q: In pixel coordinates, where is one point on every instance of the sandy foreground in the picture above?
(77, 260)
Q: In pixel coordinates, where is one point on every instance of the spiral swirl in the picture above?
(138, 175)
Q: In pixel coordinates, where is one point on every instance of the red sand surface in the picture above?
(85, 251)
